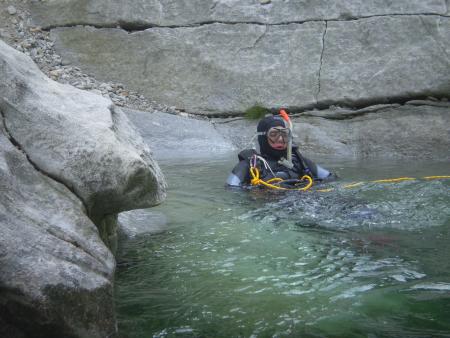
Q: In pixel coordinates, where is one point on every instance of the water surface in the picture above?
(371, 261)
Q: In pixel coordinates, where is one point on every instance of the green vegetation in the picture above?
(256, 112)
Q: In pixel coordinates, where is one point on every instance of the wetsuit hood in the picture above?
(263, 126)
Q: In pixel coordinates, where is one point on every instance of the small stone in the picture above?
(55, 73)
(264, 2)
(4, 34)
(35, 29)
(12, 10)
(96, 91)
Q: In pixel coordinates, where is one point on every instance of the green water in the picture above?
(372, 261)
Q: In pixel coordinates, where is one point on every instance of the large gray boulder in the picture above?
(78, 138)
(69, 162)
(55, 272)
(140, 14)
(221, 68)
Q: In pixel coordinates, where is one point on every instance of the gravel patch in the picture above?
(17, 29)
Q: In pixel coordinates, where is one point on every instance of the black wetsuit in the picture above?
(240, 175)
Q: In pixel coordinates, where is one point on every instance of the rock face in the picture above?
(218, 57)
(149, 13)
(388, 58)
(78, 138)
(216, 67)
(55, 272)
(68, 159)
(177, 137)
(408, 131)
(418, 129)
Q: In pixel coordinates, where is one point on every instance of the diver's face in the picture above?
(278, 137)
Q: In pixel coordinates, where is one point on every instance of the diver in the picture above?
(278, 161)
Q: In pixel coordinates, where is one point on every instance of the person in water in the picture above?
(275, 159)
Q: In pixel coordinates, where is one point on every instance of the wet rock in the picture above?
(55, 272)
(141, 222)
(69, 162)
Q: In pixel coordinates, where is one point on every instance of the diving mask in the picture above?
(274, 134)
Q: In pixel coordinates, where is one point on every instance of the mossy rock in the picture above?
(256, 112)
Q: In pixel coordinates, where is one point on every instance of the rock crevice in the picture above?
(439, 44)
(131, 27)
(19, 147)
(69, 161)
(321, 61)
(219, 69)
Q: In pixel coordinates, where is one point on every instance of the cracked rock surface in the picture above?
(54, 268)
(222, 57)
(208, 68)
(416, 129)
(69, 160)
(78, 138)
(141, 14)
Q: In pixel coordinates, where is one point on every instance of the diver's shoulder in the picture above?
(246, 154)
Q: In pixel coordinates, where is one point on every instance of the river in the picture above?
(370, 260)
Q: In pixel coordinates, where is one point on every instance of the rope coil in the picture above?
(256, 180)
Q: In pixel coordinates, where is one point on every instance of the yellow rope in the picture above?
(325, 190)
(390, 180)
(435, 177)
(257, 181)
(352, 185)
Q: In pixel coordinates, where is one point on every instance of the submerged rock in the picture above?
(141, 222)
(69, 162)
